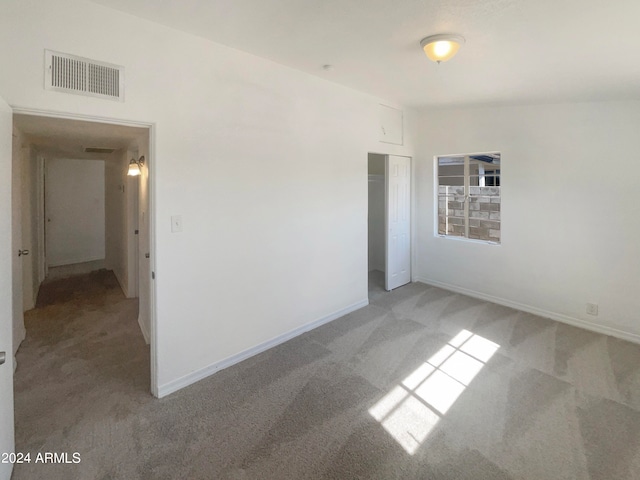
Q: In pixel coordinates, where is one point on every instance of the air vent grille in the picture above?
(71, 74)
(104, 80)
(99, 150)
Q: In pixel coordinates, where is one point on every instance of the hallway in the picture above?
(83, 347)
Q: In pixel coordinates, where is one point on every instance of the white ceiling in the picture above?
(517, 51)
(58, 136)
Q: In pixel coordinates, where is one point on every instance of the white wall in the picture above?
(132, 193)
(144, 242)
(25, 153)
(75, 211)
(377, 164)
(116, 240)
(15, 178)
(376, 223)
(121, 219)
(25, 209)
(32, 189)
(570, 212)
(266, 165)
(21, 178)
(376, 213)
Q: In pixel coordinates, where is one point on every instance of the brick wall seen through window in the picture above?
(468, 196)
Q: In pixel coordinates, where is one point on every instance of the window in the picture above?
(469, 196)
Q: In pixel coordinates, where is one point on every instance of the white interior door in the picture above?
(6, 289)
(398, 240)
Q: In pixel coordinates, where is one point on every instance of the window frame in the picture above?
(466, 185)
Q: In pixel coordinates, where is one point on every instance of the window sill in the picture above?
(467, 240)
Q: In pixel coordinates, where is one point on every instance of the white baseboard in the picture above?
(31, 303)
(143, 329)
(36, 291)
(193, 377)
(18, 341)
(576, 322)
(73, 261)
(122, 284)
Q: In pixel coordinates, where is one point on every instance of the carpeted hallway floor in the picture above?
(421, 384)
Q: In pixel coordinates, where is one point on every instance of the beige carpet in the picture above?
(421, 384)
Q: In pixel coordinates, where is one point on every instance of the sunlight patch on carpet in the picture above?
(412, 409)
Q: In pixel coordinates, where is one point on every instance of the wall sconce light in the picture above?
(134, 167)
(440, 48)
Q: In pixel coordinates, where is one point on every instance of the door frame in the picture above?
(412, 207)
(151, 126)
(7, 280)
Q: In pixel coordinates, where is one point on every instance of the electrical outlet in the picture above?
(592, 309)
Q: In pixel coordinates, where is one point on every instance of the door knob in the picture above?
(23, 252)
(3, 357)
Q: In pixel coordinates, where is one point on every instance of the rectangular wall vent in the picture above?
(99, 150)
(83, 76)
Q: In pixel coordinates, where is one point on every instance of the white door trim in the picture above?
(152, 204)
(7, 437)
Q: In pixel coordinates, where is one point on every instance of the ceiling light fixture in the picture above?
(442, 47)
(134, 167)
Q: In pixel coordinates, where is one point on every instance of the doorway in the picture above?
(389, 222)
(80, 210)
(74, 212)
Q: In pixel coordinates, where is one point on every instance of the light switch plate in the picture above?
(176, 223)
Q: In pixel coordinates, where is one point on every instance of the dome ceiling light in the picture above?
(442, 47)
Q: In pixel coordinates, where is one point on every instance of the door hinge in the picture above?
(135, 232)
(153, 275)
